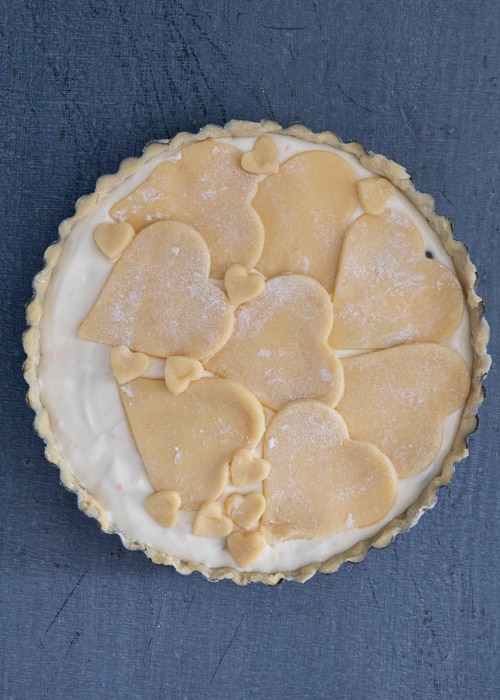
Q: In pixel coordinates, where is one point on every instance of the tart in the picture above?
(256, 352)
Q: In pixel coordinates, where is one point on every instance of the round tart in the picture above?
(255, 352)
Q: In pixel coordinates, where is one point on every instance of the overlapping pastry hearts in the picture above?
(342, 432)
(207, 188)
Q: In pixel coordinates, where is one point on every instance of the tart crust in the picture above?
(465, 271)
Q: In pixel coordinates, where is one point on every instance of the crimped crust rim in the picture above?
(464, 268)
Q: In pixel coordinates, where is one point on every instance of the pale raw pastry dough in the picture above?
(245, 510)
(263, 159)
(245, 547)
(180, 372)
(158, 299)
(112, 239)
(128, 365)
(279, 347)
(242, 285)
(304, 209)
(387, 291)
(398, 399)
(373, 193)
(321, 481)
(210, 521)
(163, 506)
(202, 182)
(187, 440)
(245, 469)
(207, 189)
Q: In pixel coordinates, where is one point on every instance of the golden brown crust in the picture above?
(466, 273)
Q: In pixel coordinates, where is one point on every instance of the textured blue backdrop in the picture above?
(85, 83)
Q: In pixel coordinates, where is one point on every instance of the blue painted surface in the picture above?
(86, 83)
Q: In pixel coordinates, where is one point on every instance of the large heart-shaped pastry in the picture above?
(321, 481)
(158, 299)
(187, 440)
(279, 347)
(207, 188)
(387, 291)
(398, 399)
(305, 208)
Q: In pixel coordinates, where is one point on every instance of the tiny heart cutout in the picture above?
(128, 365)
(187, 440)
(245, 547)
(211, 522)
(112, 239)
(279, 347)
(180, 372)
(158, 298)
(163, 507)
(373, 193)
(242, 285)
(245, 510)
(321, 481)
(387, 291)
(398, 398)
(263, 159)
(246, 469)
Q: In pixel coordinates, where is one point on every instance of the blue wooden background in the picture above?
(85, 83)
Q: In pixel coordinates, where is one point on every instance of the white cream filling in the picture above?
(82, 398)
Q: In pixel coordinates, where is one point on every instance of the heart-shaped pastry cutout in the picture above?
(279, 346)
(321, 481)
(163, 506)
(180, 372)
(373, 193)
(128, 365)
(158, 299)
(264, 159)
(388, 292)
(305, 209)
(245, 469)
(245, 547)
(398, 399)
(242, 285)
(112, 239)
(245, 510)
(187, 440)
(204, 180)
(211, 522)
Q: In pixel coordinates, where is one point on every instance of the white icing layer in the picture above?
(81, 396)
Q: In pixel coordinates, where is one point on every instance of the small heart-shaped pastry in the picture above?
(163, 507)
(245, 547)
(305, 208)
(387, 291)
(242, 285)
(128, 365)
(211, 522)
(373, 193)
(398, 399)
(245, 469)
(321, 481)
(180, 372)
(245, 510)
(158, 298)
(264, 159)
(187, 440)
(206, 188)
(279, 347)
(112, 239)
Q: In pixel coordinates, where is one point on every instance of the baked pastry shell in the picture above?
(479, 330)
